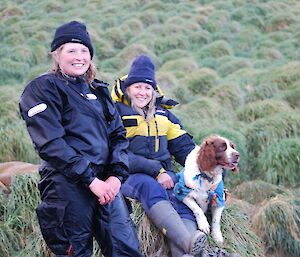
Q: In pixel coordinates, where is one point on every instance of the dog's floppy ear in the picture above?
(207, 156)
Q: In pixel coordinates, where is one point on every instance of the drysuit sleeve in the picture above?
(118, 147)
(41, 106)
(141, 164)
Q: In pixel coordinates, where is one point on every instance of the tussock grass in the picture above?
(280, 163)
(117, 37)
(228, 94)
(201, 108)
(256, 191)
(149, 17)
(284, 76)
(245, 40)
(269, 53)
(175, 54)
(280, 21)
(202, 80)
(216, 21)
(165, 44)
(16, 144)
(215, 49)
(131, 52)
(12, 71)
(180, 67)
(19, 227)
(244, 11)
(237, 231)
(263, 132)
(261, 92)
(9, 11)
(167, 82)
(8, 109)
(183, 95)
(260, 109)
(233, 65)
(198, 38)
(292, 97)
(277, 220)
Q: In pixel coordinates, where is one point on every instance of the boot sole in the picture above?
(199, 243)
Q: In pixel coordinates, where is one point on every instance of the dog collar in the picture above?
(204, 176)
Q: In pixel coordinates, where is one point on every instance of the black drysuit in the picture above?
(78, 136)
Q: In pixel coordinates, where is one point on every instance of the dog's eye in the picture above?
(232, 145)
(222, 147)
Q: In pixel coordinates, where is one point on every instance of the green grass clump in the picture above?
(217, 48)
(280, 21)
(16, 144)
(201, 108)
(277, 220)
(11, 71)
(216, 21)
(292, 97)
(228, 94)
(237, 231)
(167, 82)
(261, 92)
(260, 109)
(180, 67)
(284, 77)
(20, 232)
(202, 80)
(233, 65)
(266, 131)
(175, 54)
(256, 191)
(163, 45)
(280, 163)
(263, 132)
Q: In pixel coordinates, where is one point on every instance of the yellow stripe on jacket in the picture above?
(164, 127)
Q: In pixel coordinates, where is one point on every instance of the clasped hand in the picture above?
(165, 180)
(107, 190)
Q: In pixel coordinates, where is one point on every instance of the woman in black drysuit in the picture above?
(82, 145)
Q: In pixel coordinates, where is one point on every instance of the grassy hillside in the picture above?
(233, 65)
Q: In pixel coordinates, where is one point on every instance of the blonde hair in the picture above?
(148, 111)
(89, 75)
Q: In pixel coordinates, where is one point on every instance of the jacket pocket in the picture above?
(50, 216)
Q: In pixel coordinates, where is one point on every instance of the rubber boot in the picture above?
(164, 216)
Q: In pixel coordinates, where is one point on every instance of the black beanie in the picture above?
(72, 32)
(142, 70)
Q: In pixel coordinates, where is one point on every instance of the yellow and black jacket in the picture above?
(152, 144)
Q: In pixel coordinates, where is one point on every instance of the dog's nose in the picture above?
(236, 155)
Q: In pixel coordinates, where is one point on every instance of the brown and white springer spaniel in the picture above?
(201, 177)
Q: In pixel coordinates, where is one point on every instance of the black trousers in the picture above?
(70, 216)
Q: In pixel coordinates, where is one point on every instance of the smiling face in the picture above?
(140, 94)
(74, 59)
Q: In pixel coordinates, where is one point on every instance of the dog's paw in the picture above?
(203, 225)
(216, 234)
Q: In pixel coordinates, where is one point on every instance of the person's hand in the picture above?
(165, 180)
(115, 184)
(104, 191)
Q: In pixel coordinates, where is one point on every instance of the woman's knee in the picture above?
(140, 184)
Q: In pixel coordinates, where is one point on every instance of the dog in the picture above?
(200, 184)
(10, 169)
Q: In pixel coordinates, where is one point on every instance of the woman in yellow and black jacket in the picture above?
(155, 137)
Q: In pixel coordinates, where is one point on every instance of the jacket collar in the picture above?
(119, 95)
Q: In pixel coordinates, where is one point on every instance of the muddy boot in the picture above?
(169, 222)
(212, 251)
